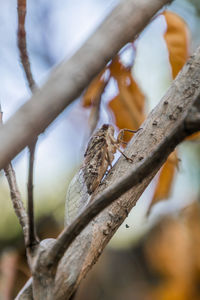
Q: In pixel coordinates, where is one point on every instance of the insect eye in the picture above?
(105, 126)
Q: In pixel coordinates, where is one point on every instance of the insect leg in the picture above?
(116, 143)
(108, 159)
(128, 158)
(121, 134)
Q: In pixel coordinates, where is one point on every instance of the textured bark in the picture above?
(69, 79)
(167, 122)
(176, 116)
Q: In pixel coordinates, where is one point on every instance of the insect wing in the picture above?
(77, 197)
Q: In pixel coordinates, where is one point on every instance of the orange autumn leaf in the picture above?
(126, 82)
(126, 116)
(194, 137)
(92, 98)
(177, 40)
(123, 119)
(168, 251)
(166, 176)
(172, 251)
(94, 90)
(128, 105)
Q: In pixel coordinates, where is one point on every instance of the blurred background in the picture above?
(55, 30)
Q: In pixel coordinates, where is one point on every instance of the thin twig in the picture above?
(27, 69)
(32, 233)
(16, 200)
(21, 8)
(15, 195)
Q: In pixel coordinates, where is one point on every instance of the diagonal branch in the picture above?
(140, 171)
(69, 79)
(21, 8)
(166, 126)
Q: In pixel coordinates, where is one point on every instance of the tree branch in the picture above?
(165, 127)
(15, 195)
(21, 8)
(16, 200)
(33, 240)
(21, 34)
(69, 79)
(181, 114)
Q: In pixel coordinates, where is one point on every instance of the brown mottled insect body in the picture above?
(98, 156)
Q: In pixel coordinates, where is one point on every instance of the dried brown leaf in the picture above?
(94, 91)
(128, 105)
(165, 181)
(177, 40)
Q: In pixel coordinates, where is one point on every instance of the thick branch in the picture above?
(183, 115)
(164, 128)
(69, 79)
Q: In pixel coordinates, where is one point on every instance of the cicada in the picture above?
(98, 158)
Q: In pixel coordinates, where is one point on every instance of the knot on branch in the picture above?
(192, 121)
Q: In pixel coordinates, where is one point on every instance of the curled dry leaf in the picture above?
(128, 105)
(92, 98)
(166, 176)
(177, 40)
(94, 90)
